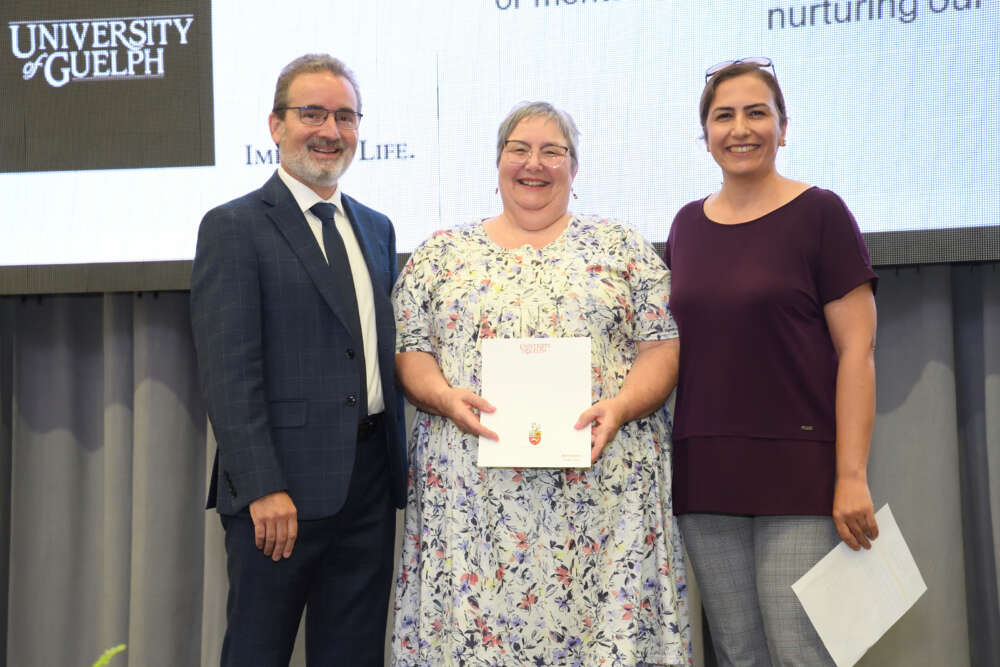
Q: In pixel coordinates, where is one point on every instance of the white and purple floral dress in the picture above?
(528, 566)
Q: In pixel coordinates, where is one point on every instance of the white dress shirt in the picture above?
(305, 198)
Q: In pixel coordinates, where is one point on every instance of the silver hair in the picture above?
(308, 64)
(545, 110)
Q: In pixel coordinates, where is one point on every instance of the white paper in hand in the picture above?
(539, 387)
(854, 597)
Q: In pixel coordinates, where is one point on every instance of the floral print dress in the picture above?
(512, 566)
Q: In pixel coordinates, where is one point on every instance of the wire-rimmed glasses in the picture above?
(346, 119)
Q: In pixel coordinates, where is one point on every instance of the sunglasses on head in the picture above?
(759, 61)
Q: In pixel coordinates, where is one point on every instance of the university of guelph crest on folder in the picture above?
(539, 387)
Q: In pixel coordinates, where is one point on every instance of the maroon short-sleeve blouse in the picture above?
(754, 425)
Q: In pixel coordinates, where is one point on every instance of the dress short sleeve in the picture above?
(844, 262)
(411, 296)
(649, 281)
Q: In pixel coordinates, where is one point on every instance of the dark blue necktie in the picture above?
(336, 255)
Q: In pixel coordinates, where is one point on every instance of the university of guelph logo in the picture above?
(535, 433)
(99, 48)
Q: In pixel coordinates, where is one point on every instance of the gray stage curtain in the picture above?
(104, 450)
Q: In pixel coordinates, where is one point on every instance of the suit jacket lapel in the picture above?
(384, 320)
(290, 221)
(362, 229)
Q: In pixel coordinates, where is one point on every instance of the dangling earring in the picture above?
(574, 193)
(497, 191)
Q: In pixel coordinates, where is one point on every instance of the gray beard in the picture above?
(307, 170)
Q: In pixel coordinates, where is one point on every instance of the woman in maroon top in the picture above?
(773, 293)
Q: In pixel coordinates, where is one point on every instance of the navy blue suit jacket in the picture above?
(278, 366)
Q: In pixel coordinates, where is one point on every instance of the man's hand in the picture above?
(275, 524)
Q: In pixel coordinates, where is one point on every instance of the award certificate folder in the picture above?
(539, 387)
(854, 597)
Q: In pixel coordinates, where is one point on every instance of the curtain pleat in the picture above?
(969, 318)
(118, 414)
(991, 338)
(6, 405)
(914, 462)
(168, 487)
(56, 584)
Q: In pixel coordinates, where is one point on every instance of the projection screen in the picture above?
(123, 122)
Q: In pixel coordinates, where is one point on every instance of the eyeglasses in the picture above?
(759, 61)
(316, 115)
(550, 155)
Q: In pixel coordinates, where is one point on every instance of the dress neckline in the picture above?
(527, 247)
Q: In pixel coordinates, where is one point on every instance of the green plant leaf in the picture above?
(107, 655)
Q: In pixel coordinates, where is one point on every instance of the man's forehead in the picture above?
(322, 81)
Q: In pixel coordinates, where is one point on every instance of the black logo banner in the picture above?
(105, 85)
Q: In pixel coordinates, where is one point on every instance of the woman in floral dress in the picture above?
(511, 566)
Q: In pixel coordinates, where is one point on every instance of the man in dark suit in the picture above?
(295, 335)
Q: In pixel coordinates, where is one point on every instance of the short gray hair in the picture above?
(308, 64)
(545, 110)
